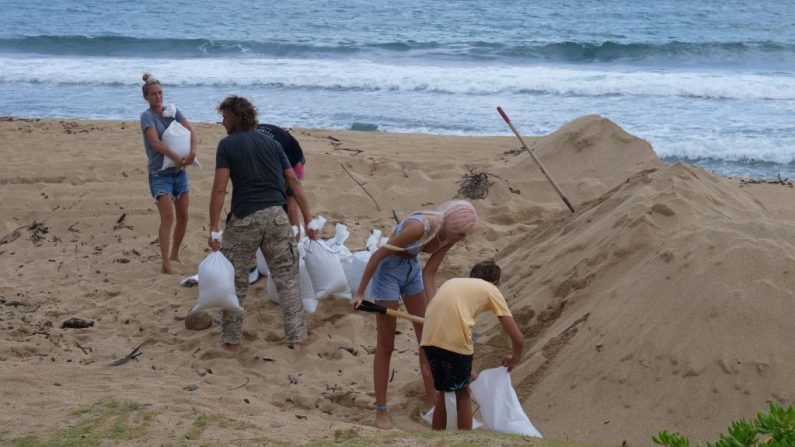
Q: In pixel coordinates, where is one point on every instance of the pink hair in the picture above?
(459, 216)
(456, 216)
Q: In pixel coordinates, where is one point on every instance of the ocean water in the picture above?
(710, 82)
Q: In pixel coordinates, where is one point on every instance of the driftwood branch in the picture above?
(82, 348)
(36, 228)
(362, 186)
(241, 386)
(131, 356)
(12, 236)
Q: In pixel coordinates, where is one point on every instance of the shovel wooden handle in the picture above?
(538, 162)
(405, 316)
(367, 306)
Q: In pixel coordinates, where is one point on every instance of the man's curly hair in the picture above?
(241, 110)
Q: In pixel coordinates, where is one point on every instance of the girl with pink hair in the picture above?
(396, 274)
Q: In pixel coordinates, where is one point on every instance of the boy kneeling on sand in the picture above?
(447, 336)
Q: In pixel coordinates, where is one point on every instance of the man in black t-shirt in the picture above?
(258, 169)
(295, 155)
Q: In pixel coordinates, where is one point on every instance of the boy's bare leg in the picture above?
(439, 413)
(463, 406)
(415, 304)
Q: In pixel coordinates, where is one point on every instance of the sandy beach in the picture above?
(664, 302)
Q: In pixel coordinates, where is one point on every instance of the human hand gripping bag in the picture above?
(217, 284)
(500, 408)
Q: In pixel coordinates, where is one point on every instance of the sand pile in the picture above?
(662, 303)
(665, 303)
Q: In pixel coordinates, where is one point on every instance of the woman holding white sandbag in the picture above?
(168, 181)
(396, 274)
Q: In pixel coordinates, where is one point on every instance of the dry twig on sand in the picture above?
(362, 186)
(37, 231)
(12, 236)
(131, 356)
(240, 386)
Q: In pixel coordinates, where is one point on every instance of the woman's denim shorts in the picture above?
(173, 184)
(397, 277)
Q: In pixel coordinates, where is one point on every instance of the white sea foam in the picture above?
(366, 75)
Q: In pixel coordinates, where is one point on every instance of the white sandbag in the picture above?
(310, 305)
(190, 281)
(253, 275)
(499, 406)
(336, 244)
(262, 266)
(217, 283)
(353, 267)
(304, 284)
(177, 138)
(304, 281)
(325, 270)
(323, 266)
(373, 241)
(452, 413)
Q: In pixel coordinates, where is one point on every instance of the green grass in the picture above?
(352, 438)
(112, 421)
(117, 422)
(201, 422)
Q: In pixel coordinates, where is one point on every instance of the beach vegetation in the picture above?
(201, 422)
(352, 438)
(773, 428)
(117, 421)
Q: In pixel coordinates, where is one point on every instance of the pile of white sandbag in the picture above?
(326, 268)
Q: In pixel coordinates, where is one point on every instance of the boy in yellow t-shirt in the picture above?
(447, 336)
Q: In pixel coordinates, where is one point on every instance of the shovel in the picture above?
(367, 306)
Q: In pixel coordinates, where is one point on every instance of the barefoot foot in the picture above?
(231, 347)
(383, 421)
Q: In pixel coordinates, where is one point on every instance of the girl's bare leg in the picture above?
(181, 207)
(166, 210)
(385, 328)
